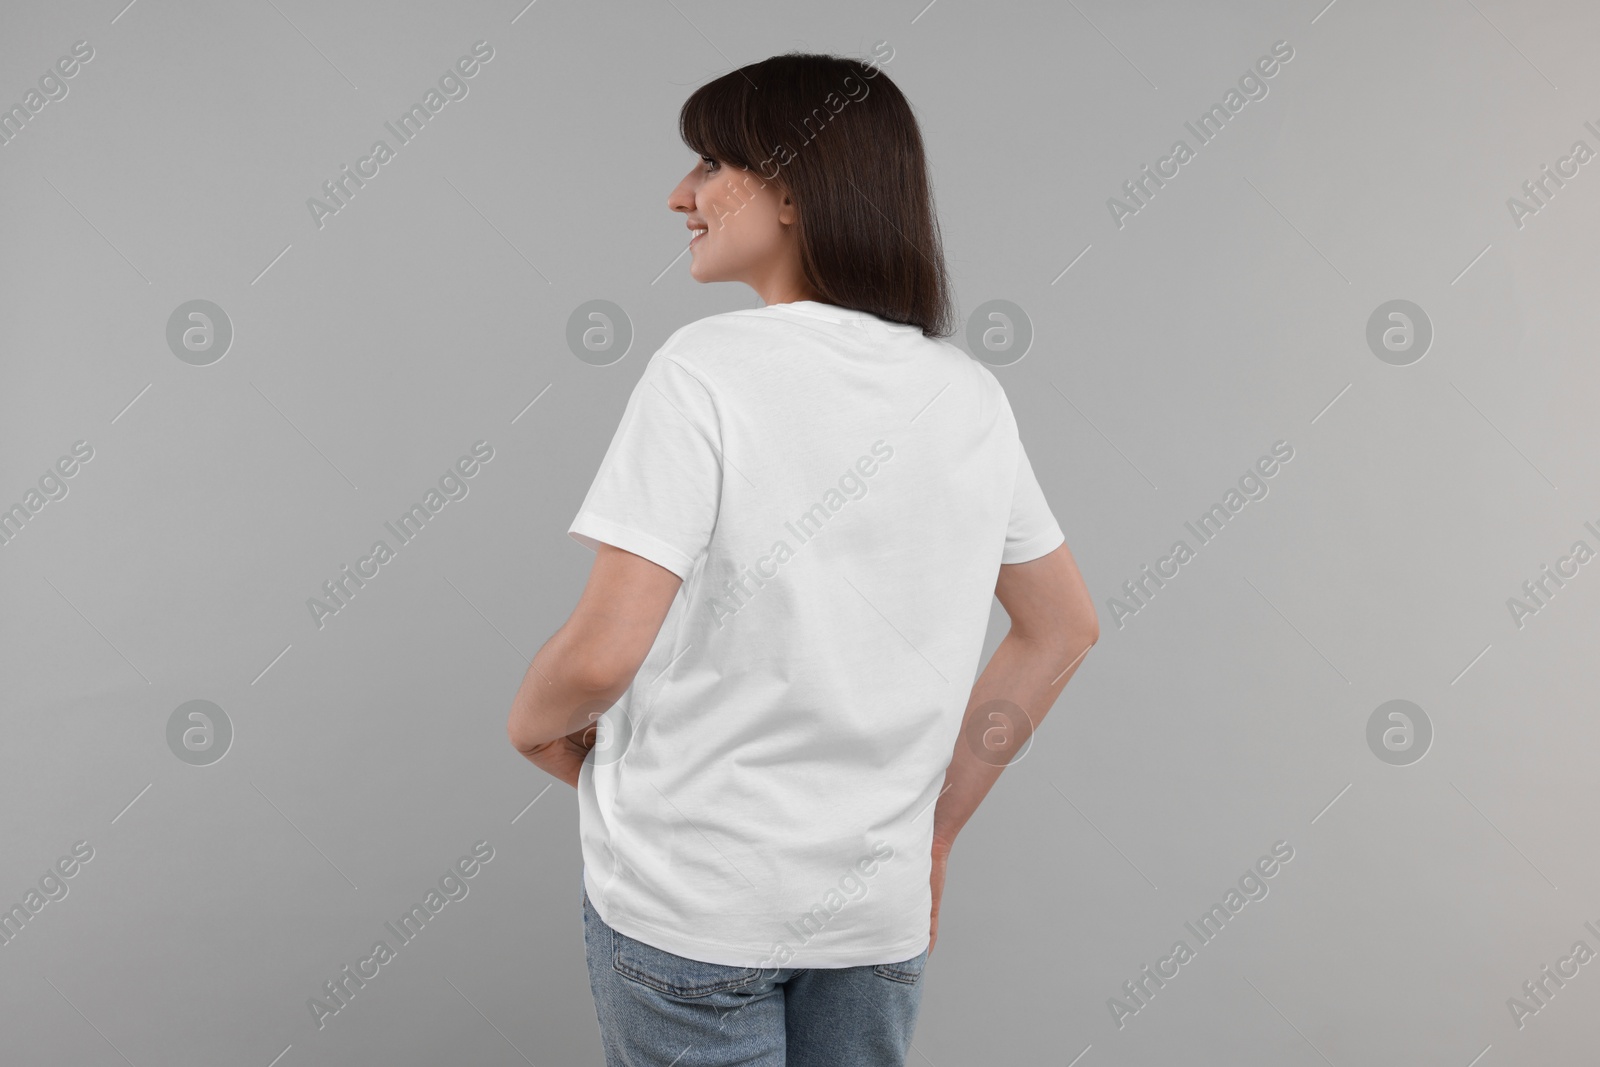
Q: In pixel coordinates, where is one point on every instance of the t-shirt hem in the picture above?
(1034, 547)
(725, 955)
(588, 529)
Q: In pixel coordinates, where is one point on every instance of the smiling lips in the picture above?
(698, 232)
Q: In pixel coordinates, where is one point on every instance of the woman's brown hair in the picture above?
(840, 138)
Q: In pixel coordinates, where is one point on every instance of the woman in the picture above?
(798, 528)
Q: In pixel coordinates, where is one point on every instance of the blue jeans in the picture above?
(658, 1009)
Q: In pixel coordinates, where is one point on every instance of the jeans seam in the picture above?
(893, 974)
(662, 985)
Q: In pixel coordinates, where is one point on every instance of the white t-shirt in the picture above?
(838, 493)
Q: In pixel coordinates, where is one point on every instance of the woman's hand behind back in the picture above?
(941, 855)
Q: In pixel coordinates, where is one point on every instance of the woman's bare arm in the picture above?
(1053, 625)
(564, 756)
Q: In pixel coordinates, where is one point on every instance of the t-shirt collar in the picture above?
(833, 313)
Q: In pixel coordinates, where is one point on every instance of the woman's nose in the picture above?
(681, 198)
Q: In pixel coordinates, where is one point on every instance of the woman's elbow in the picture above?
(1088, 625)
(517, 733)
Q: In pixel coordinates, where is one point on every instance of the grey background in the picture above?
(369, 355)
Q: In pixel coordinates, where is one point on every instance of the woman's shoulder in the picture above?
(719, 348)
(741, 323)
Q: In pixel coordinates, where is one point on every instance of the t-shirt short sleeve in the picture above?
(1033, 530)
(657, 491)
